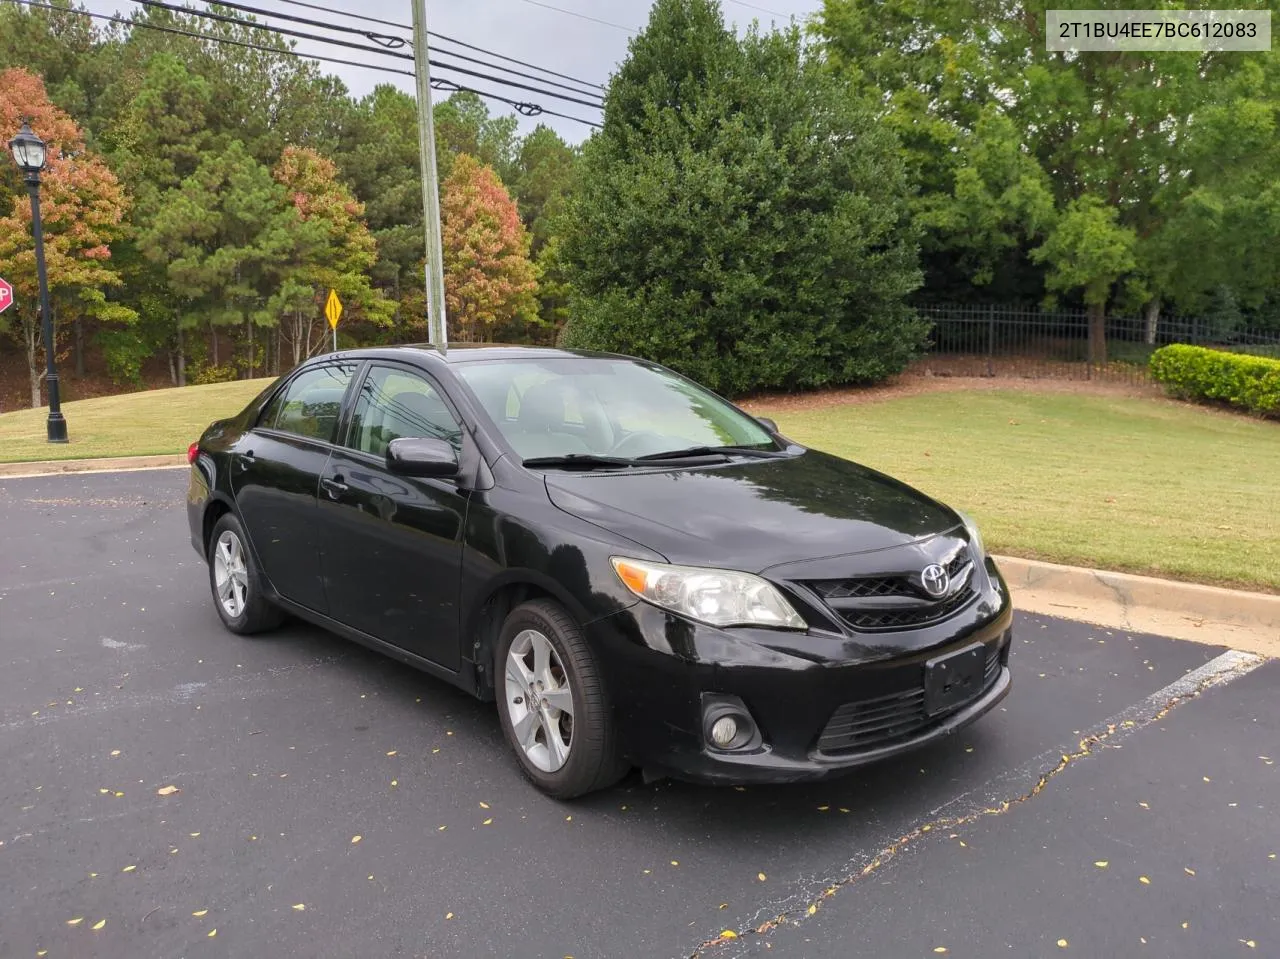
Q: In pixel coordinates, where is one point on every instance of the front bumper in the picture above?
(662, 669)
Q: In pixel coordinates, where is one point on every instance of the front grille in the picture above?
(895, 602)
(870, 723)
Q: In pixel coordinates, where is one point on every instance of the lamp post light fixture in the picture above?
(29, 153)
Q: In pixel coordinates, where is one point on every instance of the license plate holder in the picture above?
(954, 679)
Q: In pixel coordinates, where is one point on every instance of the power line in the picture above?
(444, 37)
(385, 41)
(580, 16)
(382, 51)
(523, 107)
(774, 13)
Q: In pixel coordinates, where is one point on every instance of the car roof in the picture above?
(466, 353)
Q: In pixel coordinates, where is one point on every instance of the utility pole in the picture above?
(437, 325)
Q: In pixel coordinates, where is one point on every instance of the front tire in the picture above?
(238, 595)
(552, 703)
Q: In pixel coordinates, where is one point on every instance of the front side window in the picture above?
(394, 404)
(311, 403)
(585, 405)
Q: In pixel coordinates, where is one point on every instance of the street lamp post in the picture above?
(29, 153)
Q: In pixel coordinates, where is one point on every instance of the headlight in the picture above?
(720, 597)
(975, 538)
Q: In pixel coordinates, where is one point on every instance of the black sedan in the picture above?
(638, 572)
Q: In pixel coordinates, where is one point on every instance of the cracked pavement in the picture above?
(116, 680)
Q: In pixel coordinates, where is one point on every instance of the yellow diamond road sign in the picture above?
(333, 308)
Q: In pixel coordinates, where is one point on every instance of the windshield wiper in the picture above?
(697, 451)
(580, 460)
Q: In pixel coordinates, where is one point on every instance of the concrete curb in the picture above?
(1204, 614)
(118, 464)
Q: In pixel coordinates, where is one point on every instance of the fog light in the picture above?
(724, 731)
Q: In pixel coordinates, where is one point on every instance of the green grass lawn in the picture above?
(134, 424)
(1114, 483)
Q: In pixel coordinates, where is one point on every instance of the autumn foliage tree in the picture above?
(336, 250)
(490, 283)
(82, 207)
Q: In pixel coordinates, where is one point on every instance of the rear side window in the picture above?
(310, 404)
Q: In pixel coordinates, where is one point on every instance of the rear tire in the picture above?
(552, 703)
(236, 584)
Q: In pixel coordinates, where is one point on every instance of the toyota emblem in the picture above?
(935, 580)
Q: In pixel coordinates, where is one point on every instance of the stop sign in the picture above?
(6, 295)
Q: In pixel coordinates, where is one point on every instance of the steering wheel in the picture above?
(641, 438)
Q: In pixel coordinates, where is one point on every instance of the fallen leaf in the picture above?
(448, 915)
(675, 862)
(842, 809)
(395, 782)
(356, 839)
(98, 925)
(813, 909)
(300, 907)
(371, 879)
(823, 808)
(1144, 805)
(487, 822)
(484, 805)
(1189, 872)
(761, 876)
(167, 790)
(76, 921)
(1184, 925)
(724, 905)
(1144, 880)
(728, 934)
(1062, 943)
(103, 792)
(1206, 779)
(128, 868)
(1250, 943)
(115, 752)
(194, 835)
(1101, 864)
(568, 819)
(200, 913)
(118, 795)
(212, 933)
(940, 950)
(392, 752)
(441, 828)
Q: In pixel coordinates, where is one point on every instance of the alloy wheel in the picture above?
(230, 574)
(539, 700)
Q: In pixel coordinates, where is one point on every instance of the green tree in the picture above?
(226, 237)
(379, 159)
(543, 175)
(1104, 169)
(464, 126)
(741, 216)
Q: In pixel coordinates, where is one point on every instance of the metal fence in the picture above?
(1005, 341)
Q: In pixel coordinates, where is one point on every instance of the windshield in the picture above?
(585, 406)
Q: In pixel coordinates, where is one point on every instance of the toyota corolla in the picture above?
(637, 572)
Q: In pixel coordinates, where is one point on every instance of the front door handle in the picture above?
(334, 486)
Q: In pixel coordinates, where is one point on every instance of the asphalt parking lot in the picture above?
(331, 802)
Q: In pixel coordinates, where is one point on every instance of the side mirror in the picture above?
(767, 423)
(422, 456)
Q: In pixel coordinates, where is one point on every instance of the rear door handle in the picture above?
(334, 486)
(245, 459)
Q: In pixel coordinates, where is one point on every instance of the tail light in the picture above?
(193, 451)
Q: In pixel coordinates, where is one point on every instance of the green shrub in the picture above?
(1195, 373)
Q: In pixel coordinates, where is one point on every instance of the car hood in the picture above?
(754, 514)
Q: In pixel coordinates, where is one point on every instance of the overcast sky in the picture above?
(581, 38)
